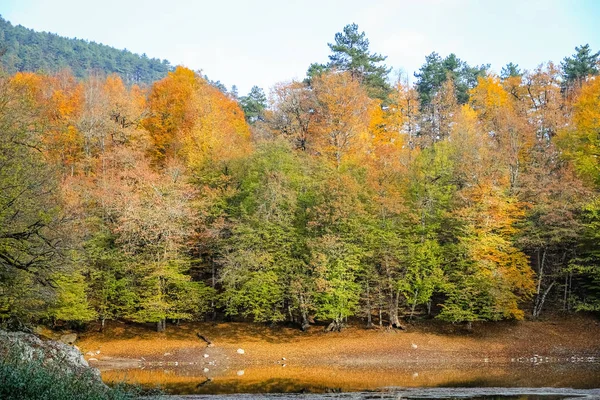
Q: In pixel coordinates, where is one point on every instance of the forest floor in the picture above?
(356, 354)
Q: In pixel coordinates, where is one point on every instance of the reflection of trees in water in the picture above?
(329, 379)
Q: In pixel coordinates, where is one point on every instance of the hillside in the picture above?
(24, 49)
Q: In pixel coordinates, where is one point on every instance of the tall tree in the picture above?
(254, 104)
(437, 70)
(580, 65)
(350, 52)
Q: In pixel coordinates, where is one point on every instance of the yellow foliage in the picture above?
(342, 117)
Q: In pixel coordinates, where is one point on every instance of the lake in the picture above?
(515, 378)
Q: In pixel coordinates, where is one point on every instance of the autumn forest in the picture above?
(457, 194)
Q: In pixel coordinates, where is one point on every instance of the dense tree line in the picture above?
(466, 196)
(24, 49)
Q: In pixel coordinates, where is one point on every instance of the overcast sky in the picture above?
(261, 42)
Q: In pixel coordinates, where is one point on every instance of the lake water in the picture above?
(510, 380)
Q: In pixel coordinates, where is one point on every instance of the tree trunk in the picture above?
(161, 325)
(565, 296)
(538, 309)
(393, 312)
(369, 319)
(538, 293)
(212, 301)
(335, 326)
(305, 321)
(414, 305)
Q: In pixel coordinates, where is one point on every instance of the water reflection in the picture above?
(331, 379)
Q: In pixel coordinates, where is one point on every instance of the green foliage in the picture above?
(336, 264)
(586, 266)
(580, 65)
(31, 235)
(510, 70)
(437, 70)
(28, 50)
(165, 291)
(350, 52)
(71, 303)
(424, 273)
(111, 291)
(254, 104)
(264, 245)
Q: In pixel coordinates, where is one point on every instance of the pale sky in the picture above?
(262, 42)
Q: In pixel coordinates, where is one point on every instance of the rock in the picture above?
(90, 353)
(283, 358)
(97, 352)
(240, 351)
(69, 338)
(166, 354)
(240, 372)
(206, 370)
(205, 355)
(32, 348)
(414, 346)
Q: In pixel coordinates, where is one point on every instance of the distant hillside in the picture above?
(27, 50)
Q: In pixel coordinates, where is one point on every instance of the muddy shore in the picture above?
(426, 354)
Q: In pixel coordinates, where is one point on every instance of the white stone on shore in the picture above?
(240, 351)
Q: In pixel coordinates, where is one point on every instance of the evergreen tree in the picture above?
(437, 70)
(510, 70)
(254, 104)
(350, 52)
(580, 65)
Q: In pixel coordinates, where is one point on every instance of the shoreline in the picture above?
(566, 351)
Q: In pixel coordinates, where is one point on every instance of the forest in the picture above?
(465, 196)
(24, 49)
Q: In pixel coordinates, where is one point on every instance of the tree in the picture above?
(111, 291)
(171, 113)
(436, 71)
(71, 302)
(581, 65)
(341, 127)
(293, 114)
(350, 53)
(580, 142)
(337, 293)
(254, 104)
(510, 70)
(32, 228)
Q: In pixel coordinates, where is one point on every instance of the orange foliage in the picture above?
(191, 119)
(342, 117)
